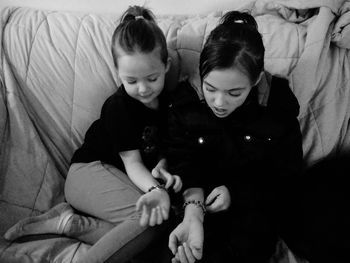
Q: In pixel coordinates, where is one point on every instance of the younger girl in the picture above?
(110, 175)
(232, 149)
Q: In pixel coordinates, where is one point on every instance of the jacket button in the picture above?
(201, 140)
(247, 138)
(269, 139)
(170, 105)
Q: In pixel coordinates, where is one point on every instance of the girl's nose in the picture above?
(219, 100)
(143, 88)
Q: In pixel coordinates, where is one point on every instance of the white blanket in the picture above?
(56, 70)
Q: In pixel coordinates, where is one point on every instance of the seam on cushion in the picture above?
(167, 32)
(41, 185)
(22, 206)
(6, 23)
(317, 129)
(74, 77)
(298, 34)
(32, 43)
(204, 34)
(282, 57)
(4, 57)
(75, 252)
(8, 245)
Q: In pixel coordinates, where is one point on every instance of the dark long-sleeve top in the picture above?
(125, 124)
(260, 144)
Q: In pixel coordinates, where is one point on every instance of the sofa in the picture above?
(56, 70)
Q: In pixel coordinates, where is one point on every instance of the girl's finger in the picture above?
(215, 205)
(197, 252)
(155, 172)
(188, 253)
(178, 183)
(153, 218)
(212, 196)
(139, 204)
(182, 254)
(173, 243)
(165, 213)
(168, 178)
(144, 216)
(159, 216)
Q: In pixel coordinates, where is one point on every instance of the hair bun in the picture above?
(137, 12)
(237, 17)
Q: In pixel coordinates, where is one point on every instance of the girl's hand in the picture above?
(218, 200)
(186, 241)
(160, 172)
(155, 207)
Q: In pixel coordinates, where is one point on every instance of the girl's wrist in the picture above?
(157, 187)
(193, 211)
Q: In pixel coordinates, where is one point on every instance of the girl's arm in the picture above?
(137, 171)
(186, 240)
(195, 209)
(154, 205)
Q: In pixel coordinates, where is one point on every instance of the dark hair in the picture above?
(138, 31)
(235, 42)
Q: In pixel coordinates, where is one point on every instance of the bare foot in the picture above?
(51, 222)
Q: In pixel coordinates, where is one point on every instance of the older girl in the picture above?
(235, 154)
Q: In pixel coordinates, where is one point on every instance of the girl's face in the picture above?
(143, 75)
(225, 90)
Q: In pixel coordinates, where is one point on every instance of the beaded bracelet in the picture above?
(197, 203)
(158, 186)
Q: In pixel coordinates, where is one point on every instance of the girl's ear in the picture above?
(259, 78)
(168, 64)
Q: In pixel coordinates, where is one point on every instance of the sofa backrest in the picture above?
(56, 71)
(63, 63)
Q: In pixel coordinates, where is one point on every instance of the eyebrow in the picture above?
(148, 76)
(234, 89)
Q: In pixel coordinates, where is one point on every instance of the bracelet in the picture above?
(158, 186)
(197, 203)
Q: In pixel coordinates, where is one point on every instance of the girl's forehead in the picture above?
(226, 79)
(140, 64)
(156, 52)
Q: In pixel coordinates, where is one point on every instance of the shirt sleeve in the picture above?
(119, 123)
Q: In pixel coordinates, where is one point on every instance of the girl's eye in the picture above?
(152, 79)
(209, 89)
(234, 94)
(131, 82)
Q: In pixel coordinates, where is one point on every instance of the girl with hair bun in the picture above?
(114, 181)
(235, 154)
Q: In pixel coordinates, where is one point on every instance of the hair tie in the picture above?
(139, 17)
(239, 21)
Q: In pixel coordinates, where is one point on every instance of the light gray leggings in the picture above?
(103, 191)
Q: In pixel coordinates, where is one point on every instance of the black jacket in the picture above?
(255, 144)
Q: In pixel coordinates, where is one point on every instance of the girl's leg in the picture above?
(63, 220)
(109, 196)
(105, 192)
(94, 189)
(102, 191)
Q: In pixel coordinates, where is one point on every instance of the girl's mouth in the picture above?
(219, 112)
(146, 96)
